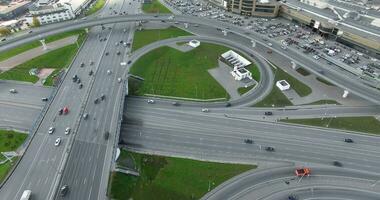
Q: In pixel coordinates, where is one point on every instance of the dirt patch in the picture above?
(45, 72)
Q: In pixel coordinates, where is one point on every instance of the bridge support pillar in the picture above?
(345, 94)
(294, 65)
(44, 47)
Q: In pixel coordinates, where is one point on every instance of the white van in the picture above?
(26, 195)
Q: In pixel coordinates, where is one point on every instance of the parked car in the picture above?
(96, 101)
(106, 135)
(102, 97)
(85, 116)
(270, 149)
(80, 86)
(248, 141)
(90, 73)
(64, 190)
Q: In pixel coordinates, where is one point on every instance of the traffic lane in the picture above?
(258, 113)
(19, 118)
(189, 116)
(26, 93)
(258, 184)
(165, 129)
(324, 192)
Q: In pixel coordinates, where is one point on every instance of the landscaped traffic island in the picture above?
(163, 178)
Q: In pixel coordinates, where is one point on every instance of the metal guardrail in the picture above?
(40, 117)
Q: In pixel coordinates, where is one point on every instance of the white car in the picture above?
(119, 79)
(13, 91)
(57, 142)
(109, 72)
(270, 44)
(51, 130)
(67, 131)
(316, 57)
(205, 110)
(150, 101)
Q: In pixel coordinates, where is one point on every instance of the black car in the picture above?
(107, 53)
(60, 112)
(269, 149)
(80, 86)
(337, 164)
(129, 62)
(82, 64)
(96, 101)
(63, 191)
(248, 141)
(44, 99)
(103, 96)
(268, 113)
(90, 73)
(106, 135)
(228, 104)
(292, 197)
(348, 140)
(75, 77)
(118, 53)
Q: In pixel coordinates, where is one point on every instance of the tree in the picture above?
(5, 31)
(36, 22)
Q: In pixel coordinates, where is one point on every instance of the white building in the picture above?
(239, 63)
(283, 85)
(194, 43)
(50, 13)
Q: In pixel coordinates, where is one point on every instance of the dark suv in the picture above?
(268, 113)
(348, 140)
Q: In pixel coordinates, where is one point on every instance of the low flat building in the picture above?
(194, 43)
(50, 13)
(238, 63)
(13, 9)
(283, 85)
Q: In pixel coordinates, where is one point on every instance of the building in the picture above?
(50, 13)
(259, 8)
(194, 43)
(13, 9)
(238, 63)
(283, 85)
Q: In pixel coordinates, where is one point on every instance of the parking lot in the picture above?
(286, 33)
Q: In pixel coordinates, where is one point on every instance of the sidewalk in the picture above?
(32, 53)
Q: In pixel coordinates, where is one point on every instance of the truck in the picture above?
(302, 172)
(26, 195)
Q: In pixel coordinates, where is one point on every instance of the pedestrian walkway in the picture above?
(32, 53)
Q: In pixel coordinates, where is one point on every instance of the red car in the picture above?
(302, 172)
(65, 110)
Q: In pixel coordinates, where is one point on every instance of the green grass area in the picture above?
(13, 52)
(57, 59)
(303, 71)
(324, 81)
(9, 141)
(326, 101)
(170, 72)
(97, 6)
(165, 178)
(360, 124)
(144, 37)
(254, 70)
(243, 90)
(155, 7)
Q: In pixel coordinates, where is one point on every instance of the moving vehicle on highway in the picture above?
(106, 135)
(67, 130)
(57, 142)
(205, 110)
(270, 149)
(13, 91)
(81, 86)
(85, 115)
(151, 101)
(65, 110)
(26, 195)
(51, 130)
(90, 73)
(348, 140)
(248, 141)
(175, 103)
(64, 190)
(337, 164)
(45, 99)
(268, 113)
(303, 171)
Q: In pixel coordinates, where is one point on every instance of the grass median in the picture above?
(56, 59)
(99, 4)
(31, 45)
(145, 37)
(359, 124)
(276, 97)
(9, 141)
(155, 7)
(170, 72)
(163, 178)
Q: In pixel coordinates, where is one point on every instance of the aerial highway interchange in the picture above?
(84, 159)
